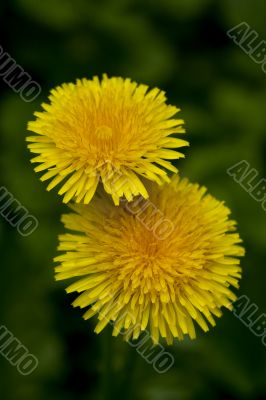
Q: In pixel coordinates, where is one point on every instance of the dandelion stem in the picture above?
(106, 385)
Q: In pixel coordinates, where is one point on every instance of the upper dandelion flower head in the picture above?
(114, 131)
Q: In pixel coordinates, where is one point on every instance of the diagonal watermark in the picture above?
(156, 355)
(15, 214)
(17, 79)
(144, 210)
(248, 313)
(249, 41)
(16, 353)
(245, 176)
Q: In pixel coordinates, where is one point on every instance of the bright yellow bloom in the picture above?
(134, 277)
(114, 131)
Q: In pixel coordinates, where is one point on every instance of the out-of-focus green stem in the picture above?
(106, 384)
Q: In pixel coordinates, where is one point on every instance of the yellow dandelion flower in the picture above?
(114, 131)
(135, 278)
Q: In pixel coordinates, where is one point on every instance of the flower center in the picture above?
(104, 132)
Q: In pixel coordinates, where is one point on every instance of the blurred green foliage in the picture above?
(182, 47)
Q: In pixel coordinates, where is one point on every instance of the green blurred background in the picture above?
(182, 47)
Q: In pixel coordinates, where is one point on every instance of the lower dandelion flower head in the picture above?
(114, 131)
(135, 279)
